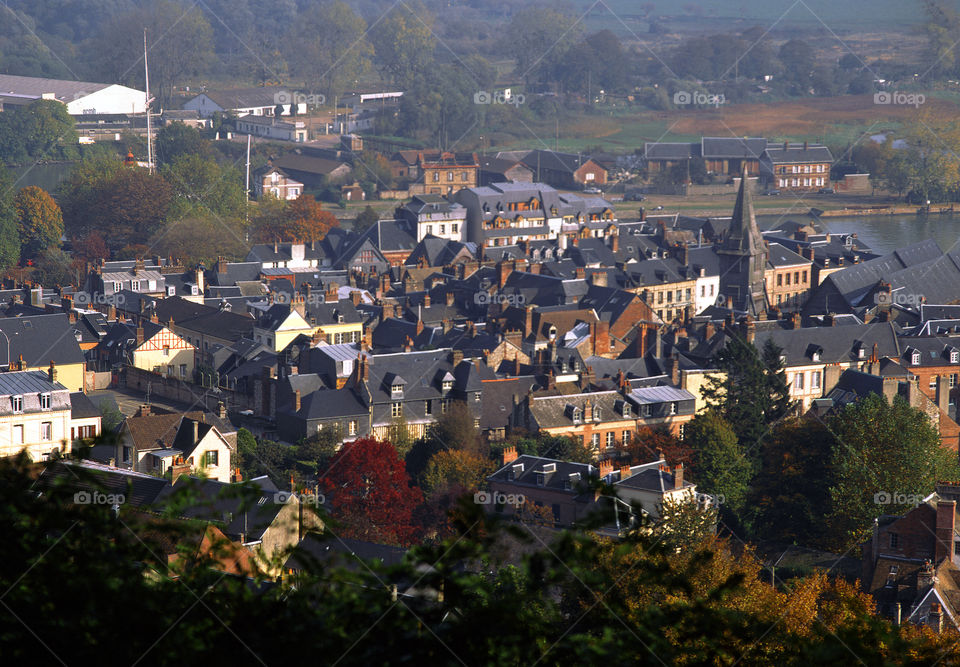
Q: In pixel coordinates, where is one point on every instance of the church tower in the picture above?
(743, 257)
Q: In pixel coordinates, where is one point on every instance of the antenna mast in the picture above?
(146, 76)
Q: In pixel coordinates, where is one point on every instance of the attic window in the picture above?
(861, 352)
(954, 356)
(447, 385)
(915, 358)
(397, 389)
(576, 415)
(596, 413)
(626, 409)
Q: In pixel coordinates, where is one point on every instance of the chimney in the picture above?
(601, 337)
(449, 298)
(237, 477)
(936, 617)
(625, 472)
(456, 357)
(943, 394)
(179, 468)
(579, 273)
(143, 411)
(588, 411)
(503, 272)
(683, 254)
(52, 372)
(139, 335)
(196, 430)
(709, 331)
(615, 243)
(605, 468)
(296, 401)
(222, 410)
(527, 320)
(509, 455)
(426, 300)
(599, 278)
(673, 369)
(946, 513)
(795, 320)
(678, 477)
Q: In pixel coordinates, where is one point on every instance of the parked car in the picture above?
(633, 196)
(773, 193)
(825, 191)
(592, 191)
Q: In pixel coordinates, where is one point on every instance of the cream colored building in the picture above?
(35, 415)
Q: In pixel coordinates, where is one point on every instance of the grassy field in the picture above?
(626, 16)
(835, 121)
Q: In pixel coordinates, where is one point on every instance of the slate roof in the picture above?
(81, 407)
(798, 153)
(732, 147)
(666, 150)
(835, 344)
(64, 90)
(40, 339)
(138, 489)
(526, 469)
(652, 479)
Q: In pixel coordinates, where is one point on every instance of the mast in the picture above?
(146, 77)
(246, 203)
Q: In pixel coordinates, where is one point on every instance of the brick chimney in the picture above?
(588, 411)
(673, 369)
(598, 278)
(143, 411)
(615, 243)
(449, 298)
(426, 300)
(52, 372)
(222, 410)
(600, 331)
(605, 468)
(946, 513)
(625, 472)
(178, 469)
(296, 401)
(527, 320)
(580, 273)
(139, 335)
(794, 320)
(503, 272)
(678, 477)
(509, 455)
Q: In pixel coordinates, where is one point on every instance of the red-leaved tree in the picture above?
(367, 489)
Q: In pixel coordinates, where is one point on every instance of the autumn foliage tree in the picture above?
(368, 491)
(303, 219)
(39, 220)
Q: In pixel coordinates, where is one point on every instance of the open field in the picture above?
(835, 121)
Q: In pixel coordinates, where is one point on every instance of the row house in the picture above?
(796, 167)
(788, 278)
(602, 420)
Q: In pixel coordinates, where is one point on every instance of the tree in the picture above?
(303, 219)
(55, 268)
(454, 429)
(9, 239)
(110, 415)
(201, 185)
(403, 43)
(90, 248)
(177, 140)
(39, 220)
(791, 491)
(722, 468)
(564, 448)
(649, 444)
(368, 490)
(329, 50)
(179, 40)
(686, 522)
(538, 38)
(886, 457)
(366, 219)
(457, 469)
(797, 58)
(200, 238)
(39, 130)
(749, 391)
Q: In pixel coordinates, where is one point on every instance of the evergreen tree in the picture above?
(721, 467)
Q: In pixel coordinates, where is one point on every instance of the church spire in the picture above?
(744, 234)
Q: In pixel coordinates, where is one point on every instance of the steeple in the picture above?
(743, 256)
(744, 234)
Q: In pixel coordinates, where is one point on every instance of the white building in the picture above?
(80, 97)
(261, 101)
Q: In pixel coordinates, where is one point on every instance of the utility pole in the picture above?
(146, 78)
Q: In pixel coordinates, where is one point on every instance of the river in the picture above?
(886, 233)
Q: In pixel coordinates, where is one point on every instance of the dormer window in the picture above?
(596, 413)
(954, 356)
(44, 401)
(915, 358)
(397, 389)
(16, 402)
(861, 352)
(576, 415)
(626, 409)
(447, 385)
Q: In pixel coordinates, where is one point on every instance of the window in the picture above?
(126, 451)
(576, 415)
(953, 380)
(933, 382)
(436, 177)
(894, 541)
(815, 380)
(397, 389)
(915, 358)
(610, 440)
(444, 405)
(804, 277)
(166, 350)
(46, 431)
(455, 228)
(44, 401)
(183, 370)
(352, 427)
(954, 356)
(798, 381)
(595, 440)
(396, 409)
(796, 277)
(135, 285)
(476, 397)
(18, 434)
(788, 278)
(17, 403)
(463, 176)
(447, 385)
(625, 437)
(476, 423)
(117, 287)
(779, 280)
(673, 408)
(644, 410)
